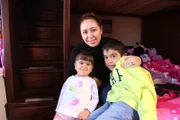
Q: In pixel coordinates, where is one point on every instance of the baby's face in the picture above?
(111, 57)
(83, 67)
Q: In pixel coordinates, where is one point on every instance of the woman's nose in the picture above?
(90, 34)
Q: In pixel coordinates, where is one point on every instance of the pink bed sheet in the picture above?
(169, 110)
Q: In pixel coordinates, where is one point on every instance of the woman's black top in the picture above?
(100, 70)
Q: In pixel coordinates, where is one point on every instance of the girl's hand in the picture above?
(83, 115)
(131, 61)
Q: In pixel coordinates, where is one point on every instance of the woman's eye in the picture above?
(93, 30)
(84, 32)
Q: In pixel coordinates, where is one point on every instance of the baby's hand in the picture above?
(83, 115)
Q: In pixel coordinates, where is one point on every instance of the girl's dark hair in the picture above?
(90, 15)
(85, 56)
(115, 45)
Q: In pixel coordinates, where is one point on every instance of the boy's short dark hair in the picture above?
(85, 56)
(115, 45)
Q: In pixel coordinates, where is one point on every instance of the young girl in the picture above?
(79, 94)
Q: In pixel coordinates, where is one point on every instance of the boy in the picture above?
(132, 96)
(79, 94)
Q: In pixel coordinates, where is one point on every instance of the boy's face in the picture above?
(83, 67)
(111, 57)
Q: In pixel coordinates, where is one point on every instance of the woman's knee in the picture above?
(103, 92)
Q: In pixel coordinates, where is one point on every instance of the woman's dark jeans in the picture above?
(103, 92)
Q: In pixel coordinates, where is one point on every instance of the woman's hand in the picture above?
(98, 81)
(83, 115)
(131, 61)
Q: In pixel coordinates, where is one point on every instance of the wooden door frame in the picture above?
(66, 34)
(6, 12)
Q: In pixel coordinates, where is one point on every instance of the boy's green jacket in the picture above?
(135, 87)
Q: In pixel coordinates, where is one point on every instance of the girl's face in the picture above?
(83, 67)
(111, 57)
(91, 32)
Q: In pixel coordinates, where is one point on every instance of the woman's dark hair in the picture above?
(90, 15)
(115, 45)
(85, 56)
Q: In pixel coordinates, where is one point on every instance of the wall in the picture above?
(126, 29)
(2, 98)
(162, 31)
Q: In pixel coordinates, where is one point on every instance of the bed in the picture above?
(166, 78)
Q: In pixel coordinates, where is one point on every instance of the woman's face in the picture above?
(91, 32)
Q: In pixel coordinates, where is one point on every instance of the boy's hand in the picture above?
(83, 115)
(131, 61)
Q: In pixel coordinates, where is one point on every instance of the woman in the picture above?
(93, 41)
